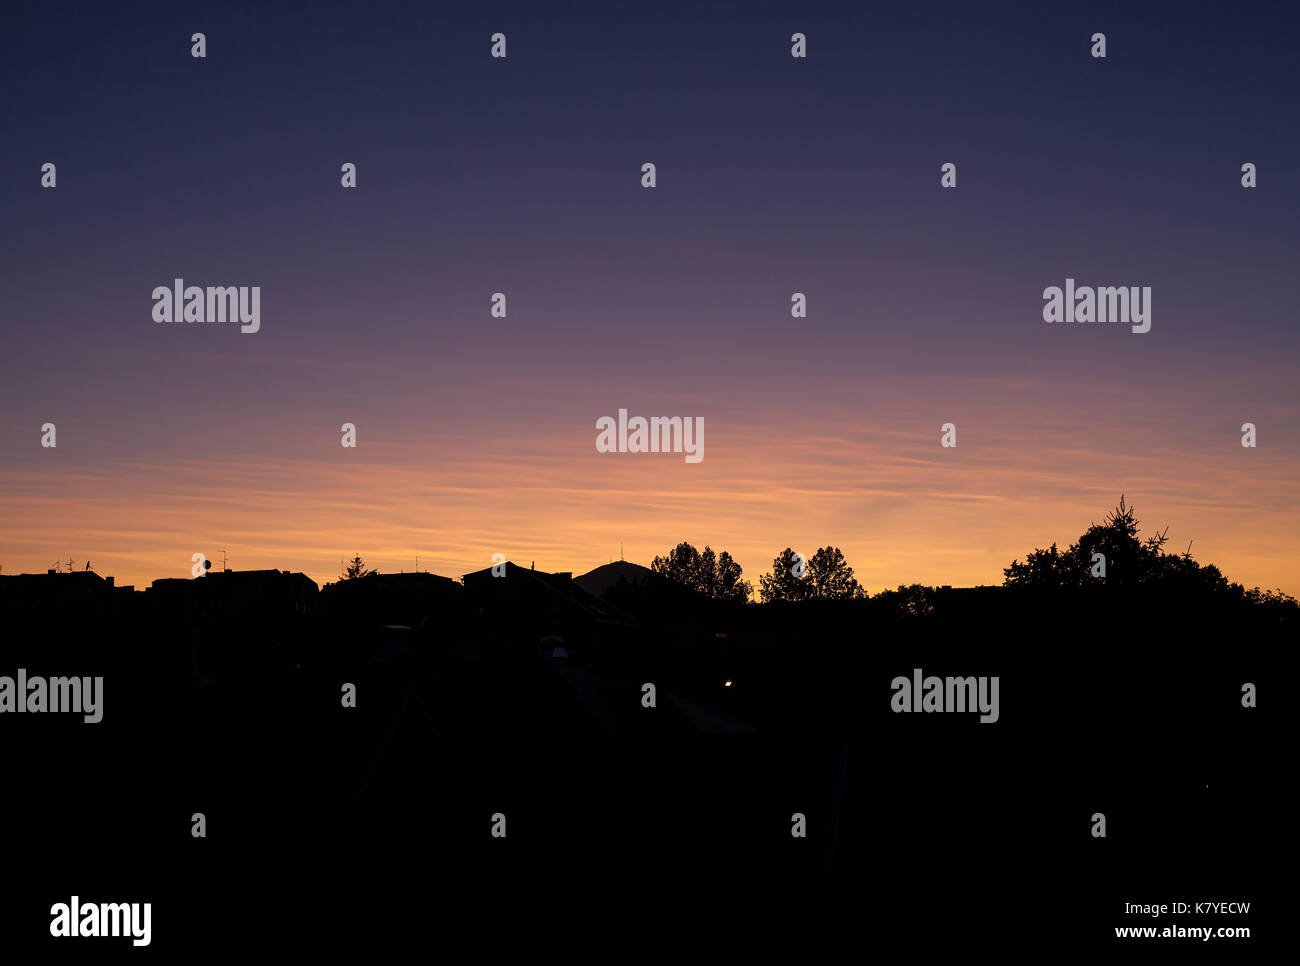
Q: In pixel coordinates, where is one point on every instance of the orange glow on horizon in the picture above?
(902, 510)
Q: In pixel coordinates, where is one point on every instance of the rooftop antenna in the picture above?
(620, 550)
(225, 567)
(69, 563)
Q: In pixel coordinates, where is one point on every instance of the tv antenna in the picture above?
(224, 564)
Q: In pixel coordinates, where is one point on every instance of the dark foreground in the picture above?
(329, 825)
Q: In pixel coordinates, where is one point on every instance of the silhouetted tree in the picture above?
(1131, 561)
(727, 584)
(827, 576)
(909, 600)
(781, 583)
(357, 568)
(716, 576)
(832, 577)
(1045, 568)
(682, 565)
(1128, 559)
(1273, 601)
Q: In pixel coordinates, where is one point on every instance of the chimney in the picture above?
(49, 571)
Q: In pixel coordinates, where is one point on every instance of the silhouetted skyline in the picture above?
(821, 176)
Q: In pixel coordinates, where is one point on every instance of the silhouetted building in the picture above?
(520, 607)
(420, 601)
(244, 594)
(231, 616)
(58, 596)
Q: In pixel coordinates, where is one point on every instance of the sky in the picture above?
(775, 175)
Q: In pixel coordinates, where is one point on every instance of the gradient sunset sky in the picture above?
(476, 435)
